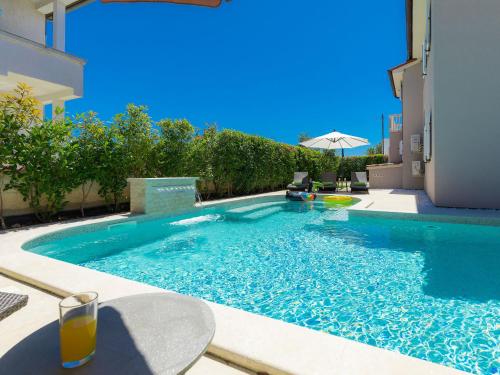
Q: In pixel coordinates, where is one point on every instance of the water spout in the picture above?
(198, 197)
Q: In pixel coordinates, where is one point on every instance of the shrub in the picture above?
(106, 157)
(200, 159)
(111, 154)
(173, 147)
(114, 165)
(358, 164)
(58, 156)
(17, 112)
(134, 129)
(236, 163)
(45, 172)
(90, 144)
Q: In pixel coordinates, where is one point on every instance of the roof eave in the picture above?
(204, 3)
(399, 68)
(71, 7)
(393, 84)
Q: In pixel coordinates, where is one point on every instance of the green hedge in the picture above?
(60, 155)
(358, 164)
(234, 163)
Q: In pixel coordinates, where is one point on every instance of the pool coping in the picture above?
(249, 340)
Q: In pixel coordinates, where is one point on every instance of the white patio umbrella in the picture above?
(335, 141)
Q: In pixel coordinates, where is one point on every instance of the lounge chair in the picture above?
(328, 182)
(300, 182)
(11, 302)
(359, 182)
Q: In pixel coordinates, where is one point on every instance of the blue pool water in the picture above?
(426, 289)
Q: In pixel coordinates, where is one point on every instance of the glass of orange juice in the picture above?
(77, 328)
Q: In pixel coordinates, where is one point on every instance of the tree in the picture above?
(88, 141)
(124, 149)
(45, 172)
(134, 127)
(304, 137)
(18, 111)
(110, 154)
(113, 165)
(174, 146)
(201, 156)
(375, 150)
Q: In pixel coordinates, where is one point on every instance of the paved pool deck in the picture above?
(42, 309)
(249, 341)
(416, 205)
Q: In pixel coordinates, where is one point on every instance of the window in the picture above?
(426, 45)
(428, 136)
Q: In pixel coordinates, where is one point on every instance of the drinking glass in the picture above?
(77, 328)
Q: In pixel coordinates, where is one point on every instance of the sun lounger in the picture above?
(328, 182)
(359, 182)
(300, 182)
(10, 303)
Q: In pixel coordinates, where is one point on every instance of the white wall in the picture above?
(413, 123)
(21, 17)
(465, 80)
(14, 204)
(394, 154)
(428, 102)
(388, 176)
(26, 59)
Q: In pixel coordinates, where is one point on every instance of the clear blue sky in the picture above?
(275, 68)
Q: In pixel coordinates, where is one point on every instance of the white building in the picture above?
(54, 75)
(449, 89)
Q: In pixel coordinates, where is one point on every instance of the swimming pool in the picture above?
(430, 290)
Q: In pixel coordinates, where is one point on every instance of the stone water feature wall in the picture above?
(169, 195)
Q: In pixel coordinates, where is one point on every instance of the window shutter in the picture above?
(427, 136)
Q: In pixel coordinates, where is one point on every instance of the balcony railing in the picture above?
(50, 73)
(396, 123)
(13, 38)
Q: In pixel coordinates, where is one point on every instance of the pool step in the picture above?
(262, 213)
(338, 215)
(122, 226)
(254, 207)
(197, 220)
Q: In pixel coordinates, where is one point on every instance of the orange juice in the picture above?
(78, 336)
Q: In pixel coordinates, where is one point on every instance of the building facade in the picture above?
(449, 88)
(25, 55)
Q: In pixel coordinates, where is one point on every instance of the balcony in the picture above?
(53, 75)
(396, 123)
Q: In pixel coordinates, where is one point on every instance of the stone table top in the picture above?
(156, 333)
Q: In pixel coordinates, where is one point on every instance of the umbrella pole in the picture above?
(344, 178)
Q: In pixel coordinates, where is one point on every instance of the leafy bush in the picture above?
(17, 112)
(114, 163)
(45, 170)
(235, 163)
(173, 147)
(109, 154)
(58, 156)
(358, 164)
(133, 130)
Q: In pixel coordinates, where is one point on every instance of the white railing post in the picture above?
(59, 25)
(396, 122)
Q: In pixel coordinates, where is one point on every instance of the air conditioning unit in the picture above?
(417, 168)
(415, 143)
